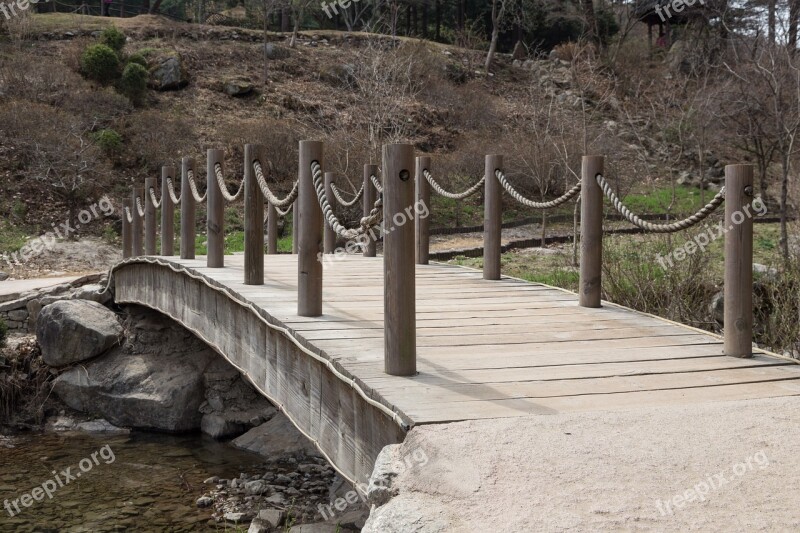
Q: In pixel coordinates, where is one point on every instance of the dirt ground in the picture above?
(66, 258)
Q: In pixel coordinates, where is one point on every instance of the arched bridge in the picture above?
(391, 342)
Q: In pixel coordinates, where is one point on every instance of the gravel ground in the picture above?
(606, 471)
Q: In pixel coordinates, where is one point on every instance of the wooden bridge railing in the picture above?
(394, 199)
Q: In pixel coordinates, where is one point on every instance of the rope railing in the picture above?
(128, 215)
(283, 213)
(567, 196)
(367, 223)
(344, 203)
(268, 194)
(453, 196)
(154, 198)
(376, 183)
(193, 187)
(672, 227)
(171, 190)
(224, 188)
(139, 206)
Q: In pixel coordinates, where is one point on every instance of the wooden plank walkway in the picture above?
(489, 349)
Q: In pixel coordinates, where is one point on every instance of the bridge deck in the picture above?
(506, 348)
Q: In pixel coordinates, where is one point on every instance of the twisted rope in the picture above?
(530, 203)
(171, 190)
(139, 207)
(686, 223)
(224, 188)
(153, 198)
(193, 187)
(271, 198)
(368, 222)
(338, 195)
(377, 184)
(453, 196)
(284, 213)
(128, 215)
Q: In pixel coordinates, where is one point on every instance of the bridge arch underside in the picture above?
(348, 429)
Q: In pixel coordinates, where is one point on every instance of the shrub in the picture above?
(108, 140)
(138, 59)
(3, 332)
(134, 82)
(113, 38)
(100, 63)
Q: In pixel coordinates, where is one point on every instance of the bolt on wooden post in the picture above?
(422, 223)
(253, 217)
(215, 209)
(167, 213)
(309, 215)
(127, 244)
(188, 211)
(738, 290)
(492, 218)
(400, 335)
(136, 226)
(149, 218)
(329, 238)
(591, 267)
(369, 198)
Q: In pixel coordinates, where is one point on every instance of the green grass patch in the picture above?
(685, 200)
(11, 238)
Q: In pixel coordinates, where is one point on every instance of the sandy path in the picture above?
(605, 471)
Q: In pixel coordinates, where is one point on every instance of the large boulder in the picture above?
(276, 437)
(72, 331)
(169, 73)
(155, 381)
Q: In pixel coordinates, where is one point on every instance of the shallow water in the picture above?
(136, 482)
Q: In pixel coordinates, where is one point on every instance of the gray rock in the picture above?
(20, 315)
(204, 501)
(274, 51)
(717, 307)
(3, 276)
(238, 87)
(256, 488)
(72, 331)
(258, 526)
(155, 390)
(271, 517)
(93, 292)
(380, 490)
(236, 518)
(101, 426)
(169, 74)
(764, 272)
(278, 436)
(218, 427)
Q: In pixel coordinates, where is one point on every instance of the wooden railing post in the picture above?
(400, 336)
(188, 210)
(149, 218)
(295, 227)
(370, 196)
(215, 209)
(423, 197)
(591, 268)
(272, 229)
(136, 226)
(329, 238)
(492, 218)
(738, 290)
(127, 244)
(309, 235)
(253, 217)
(167, 213)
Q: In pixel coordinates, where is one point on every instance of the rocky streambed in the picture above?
(195, 447)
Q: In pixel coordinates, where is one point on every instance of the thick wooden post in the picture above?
(400, 335)
(167, 213)
(136, 225)
(492, 218)
(149, 218)
(591, 232)
(423, 196)
(738, 326)
(188, 211)
(215, 209)
(309, 214)
(295, 227)
(272, 229)
(253, 217)
(370, 196)
(329, 240)
(127, 244)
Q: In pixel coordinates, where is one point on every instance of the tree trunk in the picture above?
(495, 35)
(794, 15)
(591, 22)
(295, 30)
(784, 239)
(438, 36)
(771, 20)
(284, 20)
(424, 21)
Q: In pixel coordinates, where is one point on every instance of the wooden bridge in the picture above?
(388, 343)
